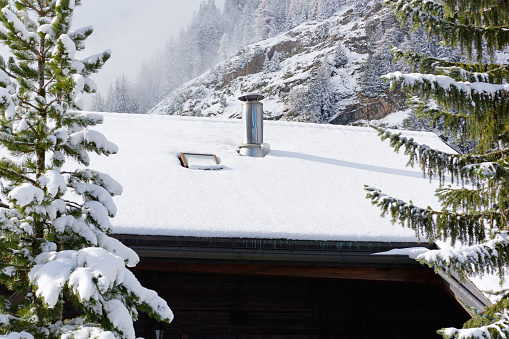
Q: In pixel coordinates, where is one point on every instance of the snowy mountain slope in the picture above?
(284, 68)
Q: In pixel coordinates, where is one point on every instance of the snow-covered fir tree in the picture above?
(110, 100)
(222, 52)
(55, 250)
(371, 84)
(298, 12)
(148, 89)
(98, 103)
(298, 103)
(323, 9)
(472, 100)
(275, 62)
(266, 64)
(205, 34)
(173, 75)
(193, 52)
(120, 97)
(367, 47)
(232, 13)
(265, 23)
(380, 59)
(360, 6)
(340, 57)
(320, 95)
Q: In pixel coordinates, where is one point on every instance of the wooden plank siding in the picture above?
(256, 306)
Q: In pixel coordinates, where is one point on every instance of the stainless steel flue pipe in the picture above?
(252, 123)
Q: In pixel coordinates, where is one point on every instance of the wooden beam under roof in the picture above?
(416, 274)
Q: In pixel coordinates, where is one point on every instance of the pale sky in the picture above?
(134, 30)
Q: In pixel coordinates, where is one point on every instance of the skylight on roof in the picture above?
(199, 161)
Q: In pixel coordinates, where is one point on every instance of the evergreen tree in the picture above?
(371, 84)
(340, 57)
(55, 251)
(110, 102)
(297, 103)
(281, 8)
(266, 21)
(323, 9)
(212, 36)
(320, 95)
(275, 62)
(222, 52)
(120, 97)
(123, 93)
(204, 38)
(471, 98)
(173, 74)
(298, 12)
(149, 87)
(266, 64)
(98, 103)
(247, 22)
(380, 59)
(231, 13)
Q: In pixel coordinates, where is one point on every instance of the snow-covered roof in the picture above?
(310, 186)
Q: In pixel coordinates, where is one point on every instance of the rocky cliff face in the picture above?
(282, 68)
(367, 108)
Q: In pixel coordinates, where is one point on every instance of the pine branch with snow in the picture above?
(55, 248)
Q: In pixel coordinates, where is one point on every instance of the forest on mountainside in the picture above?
(212, 36)
(332, 63)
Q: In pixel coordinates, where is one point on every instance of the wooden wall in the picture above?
(257, 306)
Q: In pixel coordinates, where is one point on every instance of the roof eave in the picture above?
(300, 252)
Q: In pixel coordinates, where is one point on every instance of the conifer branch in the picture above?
(476, 169)
(73, 203)
(6, 71)
(19, 267)
(497, 328)
(468, 227)
(5, 171)
(426, 64)
(431, 16)
(489, 257)
(27, 103)
(433, 163)
(50, 82)
(30, 126)
(467, 199)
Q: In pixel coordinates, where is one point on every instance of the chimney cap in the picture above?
(251, 97)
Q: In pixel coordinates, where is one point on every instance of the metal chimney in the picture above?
(252, 123)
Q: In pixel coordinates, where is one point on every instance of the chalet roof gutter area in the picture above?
(308, 255)
(241, 249)
(309, 187)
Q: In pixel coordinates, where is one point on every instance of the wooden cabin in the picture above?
(284, 246)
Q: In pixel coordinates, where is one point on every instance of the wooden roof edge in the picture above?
(303, 257)
(465, 291)
(225, 244)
